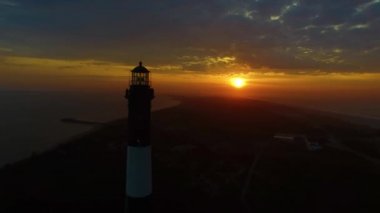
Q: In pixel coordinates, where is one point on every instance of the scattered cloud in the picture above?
(188, 35)
(4, 49)
(8, 3)
(363, 7)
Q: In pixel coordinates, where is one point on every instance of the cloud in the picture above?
(195, 63)
(6, 50)
(183, 35)
(363, 7)
(8, 3)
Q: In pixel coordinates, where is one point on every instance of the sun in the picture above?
(238, 82)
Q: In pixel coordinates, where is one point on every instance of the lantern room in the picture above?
(140, 76)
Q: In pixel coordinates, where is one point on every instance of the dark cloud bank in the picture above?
(339, 35)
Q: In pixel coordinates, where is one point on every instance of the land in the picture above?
(210, 155)
(83, 122)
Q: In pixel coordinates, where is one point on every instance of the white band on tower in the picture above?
(139, 171)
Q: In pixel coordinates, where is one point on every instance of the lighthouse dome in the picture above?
(140, 69)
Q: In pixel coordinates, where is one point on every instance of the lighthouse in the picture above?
(139, 162)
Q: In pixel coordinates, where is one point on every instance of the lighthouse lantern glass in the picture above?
(140, 78)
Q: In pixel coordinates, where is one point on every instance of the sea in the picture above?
(31, 120)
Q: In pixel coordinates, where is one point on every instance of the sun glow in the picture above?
(238, 82)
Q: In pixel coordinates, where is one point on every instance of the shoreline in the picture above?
(203, 168)
(98, 127)
(92, 129)
(85, 129)
(351, 118)
(360, 119)
(370, 121)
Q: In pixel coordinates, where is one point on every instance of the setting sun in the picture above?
(238, 82)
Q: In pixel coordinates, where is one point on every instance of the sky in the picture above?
(277, 45)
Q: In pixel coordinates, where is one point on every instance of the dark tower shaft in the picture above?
(139, 165)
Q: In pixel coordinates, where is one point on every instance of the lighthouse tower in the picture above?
(139, 165)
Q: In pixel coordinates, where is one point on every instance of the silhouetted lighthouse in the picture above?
(139, 165)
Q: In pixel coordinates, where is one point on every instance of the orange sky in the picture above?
(49, 74)
(283, 48)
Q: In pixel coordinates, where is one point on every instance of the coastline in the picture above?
(360, 119)
(94, 128)
(370, 121)
(203, 168)
(36, 115)
(99, 127)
